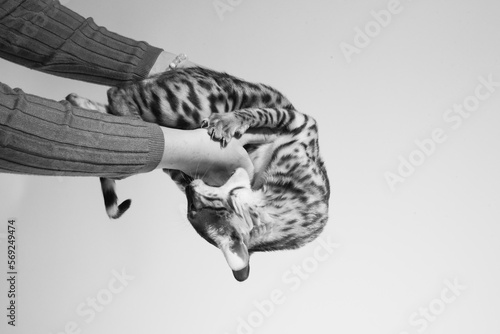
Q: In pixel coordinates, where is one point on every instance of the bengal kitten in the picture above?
(284, 205)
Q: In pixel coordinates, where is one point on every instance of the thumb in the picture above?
(264, 136)
(246, 163)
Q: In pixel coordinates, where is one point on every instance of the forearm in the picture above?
(186, 148)
(44, 35)
(44, 137)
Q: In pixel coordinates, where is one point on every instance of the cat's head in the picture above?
(217, 214)
(240, 221)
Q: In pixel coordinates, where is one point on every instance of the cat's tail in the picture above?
(111, 199)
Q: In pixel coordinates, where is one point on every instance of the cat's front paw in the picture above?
(223, 127)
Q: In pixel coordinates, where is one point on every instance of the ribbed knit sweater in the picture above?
(45, 137)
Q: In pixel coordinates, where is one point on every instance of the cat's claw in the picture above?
(223, 127)
(204, 123)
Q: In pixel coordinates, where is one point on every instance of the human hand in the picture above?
(196, 154)
(163, 62)
(214, 164)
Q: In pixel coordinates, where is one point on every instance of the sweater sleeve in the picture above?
(46, 36)
(45, 137)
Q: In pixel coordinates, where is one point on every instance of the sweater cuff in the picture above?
(156, 148)
(147, 62)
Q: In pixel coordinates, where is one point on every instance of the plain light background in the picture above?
(396, 249)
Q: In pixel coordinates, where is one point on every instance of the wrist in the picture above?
(167, 60)
(182, 147)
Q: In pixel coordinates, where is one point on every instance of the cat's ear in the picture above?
(236, 254)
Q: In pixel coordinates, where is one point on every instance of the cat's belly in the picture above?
(261, 157)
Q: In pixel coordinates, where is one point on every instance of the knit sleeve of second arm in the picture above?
(49, 37)
(44, 137)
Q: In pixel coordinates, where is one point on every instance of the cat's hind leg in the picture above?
(85, 103)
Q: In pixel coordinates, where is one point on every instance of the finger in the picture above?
(246, 163)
